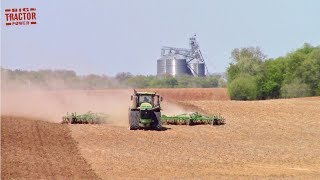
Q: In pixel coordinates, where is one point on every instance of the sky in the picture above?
(112, 36)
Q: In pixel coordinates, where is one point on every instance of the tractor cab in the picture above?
(146, 100)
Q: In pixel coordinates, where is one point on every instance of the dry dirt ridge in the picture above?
(262, 139)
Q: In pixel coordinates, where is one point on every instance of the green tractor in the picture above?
(145, 111)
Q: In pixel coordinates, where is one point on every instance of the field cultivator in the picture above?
(192, 119)
(87, 118)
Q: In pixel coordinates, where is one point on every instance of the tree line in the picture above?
(68, 79)
(252, 76)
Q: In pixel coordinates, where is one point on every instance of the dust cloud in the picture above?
(170, 108)
(56, 99)
(51, 105)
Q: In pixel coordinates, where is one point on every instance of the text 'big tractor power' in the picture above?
(145, 110)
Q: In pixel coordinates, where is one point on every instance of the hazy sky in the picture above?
(107, 37)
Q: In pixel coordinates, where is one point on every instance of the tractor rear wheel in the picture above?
(134, 120)
(157, 124)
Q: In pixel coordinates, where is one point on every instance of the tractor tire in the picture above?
(134, 118)
(157, 124)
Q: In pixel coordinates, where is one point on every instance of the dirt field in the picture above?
(33, 149)
(262, 139)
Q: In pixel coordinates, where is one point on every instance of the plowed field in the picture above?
(261, 139)
(33, 149)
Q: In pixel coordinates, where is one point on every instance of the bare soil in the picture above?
(32, 149)
(261, 139)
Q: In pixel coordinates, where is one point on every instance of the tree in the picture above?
(123, 76)
(272, 78)
(248, 60)
(170, 82)
(295, 89)
(243, 87)
(295, 75)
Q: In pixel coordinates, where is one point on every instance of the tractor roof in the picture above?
(146, 93)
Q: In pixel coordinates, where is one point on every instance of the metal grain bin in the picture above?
(161, 66)
(172, 66)
(198, 69)
(177, 67)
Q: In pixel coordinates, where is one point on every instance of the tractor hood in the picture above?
(145, 106)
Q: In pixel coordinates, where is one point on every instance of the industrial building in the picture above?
(181, 61)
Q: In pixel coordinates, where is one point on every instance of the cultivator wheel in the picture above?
(157, 124)
(217, 121)
(134, 120)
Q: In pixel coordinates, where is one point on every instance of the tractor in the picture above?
(145, 111)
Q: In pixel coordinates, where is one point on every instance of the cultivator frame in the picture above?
(86, 118)
(192, 119)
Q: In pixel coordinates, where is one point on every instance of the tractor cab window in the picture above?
(145, 98)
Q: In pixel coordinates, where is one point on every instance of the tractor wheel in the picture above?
(157, 124)
(134, 120)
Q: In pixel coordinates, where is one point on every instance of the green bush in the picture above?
(318, 90)
(295, 89)
(295, 75)
(243, 88)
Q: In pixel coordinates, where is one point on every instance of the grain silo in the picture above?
(180, 61)
(197, 68)
(173, 65)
